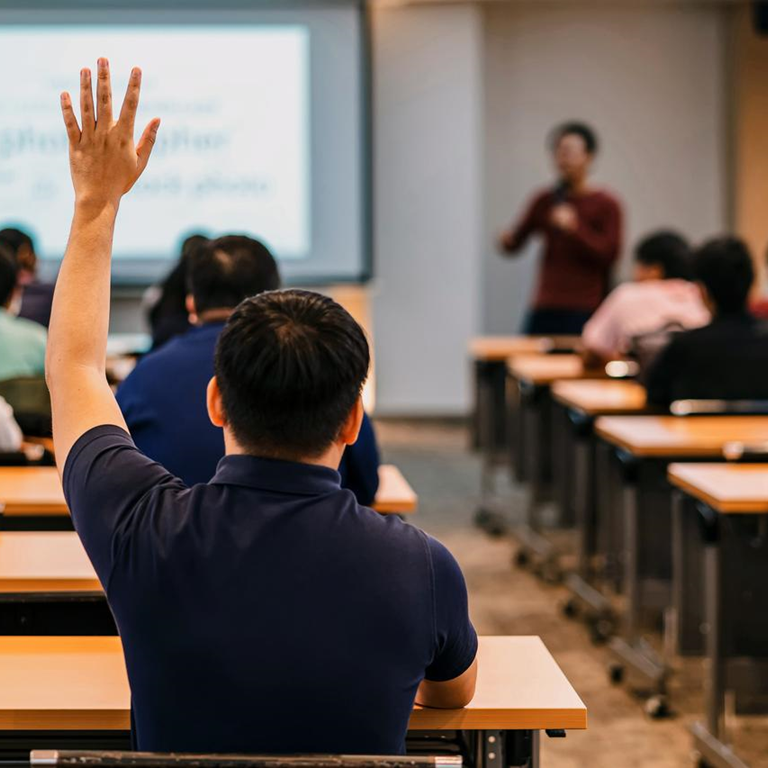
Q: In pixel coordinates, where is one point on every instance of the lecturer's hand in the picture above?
(103, 160)
(565, 217)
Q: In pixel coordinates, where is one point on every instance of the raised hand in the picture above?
(103, 160)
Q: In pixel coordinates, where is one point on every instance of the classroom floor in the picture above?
(505, 600)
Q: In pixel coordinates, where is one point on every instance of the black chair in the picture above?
(31, 403)
(109, 759)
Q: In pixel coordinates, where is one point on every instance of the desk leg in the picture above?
(709, 740)
(713, 593)
(632, 649)
(535, 742)
(673, 618)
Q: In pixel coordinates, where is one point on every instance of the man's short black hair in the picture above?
(223, 272)
(724, 266)
(668, 250)
(575, 128)
(8, 274)
(290, 366)
(15, 238)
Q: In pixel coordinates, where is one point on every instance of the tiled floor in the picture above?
(505, 600)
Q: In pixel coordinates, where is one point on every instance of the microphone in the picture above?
(560, 193)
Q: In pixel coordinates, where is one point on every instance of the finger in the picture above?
(104, 96)
(146, 143)
(131, 102)
(87, 116)
(70, 121)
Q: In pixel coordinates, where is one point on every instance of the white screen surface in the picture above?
(261, 134)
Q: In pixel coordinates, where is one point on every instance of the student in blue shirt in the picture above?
(265, 611)
(163, 399)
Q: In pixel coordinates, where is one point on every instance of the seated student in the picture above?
(10, 432)
(661, 296)
(265, 611)
(168, 315)
(725, 360)
(22, 342)
(163, 399)
(37, 296)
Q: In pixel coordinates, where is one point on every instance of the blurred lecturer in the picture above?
(581, 228)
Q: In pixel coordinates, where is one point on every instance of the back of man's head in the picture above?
(290, 366)
(8, 275)
(223, 272)
(665, 255)
(724, 267)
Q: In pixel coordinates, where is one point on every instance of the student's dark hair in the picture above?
(668, 250)
(8, 274)
(290, 366)
(724, 266)
(15, 238)
(223, 272)
(173, 289)
(575, 128)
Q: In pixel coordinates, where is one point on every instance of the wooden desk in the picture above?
(500, 348)
(671, 436)
(45, 561)
(726, 488)
(66, 683)
(543, 370)
(395, 495)
(650, 443)
(711, 579)
(28, 491)
(36, 491)
(600, 397)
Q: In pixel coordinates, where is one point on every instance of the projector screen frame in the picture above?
(144, 271)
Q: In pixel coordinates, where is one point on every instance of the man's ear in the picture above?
(215, 406)
(351, 428)
(191, 308)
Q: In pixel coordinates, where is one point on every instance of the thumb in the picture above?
(146, 143)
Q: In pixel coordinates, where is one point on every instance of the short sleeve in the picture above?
(455, 637)
(105, 479)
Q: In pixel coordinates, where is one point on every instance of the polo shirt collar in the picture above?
(273, 475)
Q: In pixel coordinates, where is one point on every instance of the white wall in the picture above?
(428, 204)
(650, 77)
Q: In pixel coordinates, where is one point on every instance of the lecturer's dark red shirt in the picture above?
(576, 267)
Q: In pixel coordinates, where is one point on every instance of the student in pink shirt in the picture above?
(660, 297)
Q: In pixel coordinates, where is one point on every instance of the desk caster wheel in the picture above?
(490, 522)
(657, 707)
(521, 558)
(616, 673)
(550, 572)
(600, 630)
(570, 609)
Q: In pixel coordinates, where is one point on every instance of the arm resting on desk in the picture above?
(449, 694)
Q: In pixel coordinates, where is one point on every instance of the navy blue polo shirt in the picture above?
(163, 403)
(265, 611)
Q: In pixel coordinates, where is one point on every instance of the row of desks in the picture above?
(72, 691)
(36, 491)
(80, 683)
(612, 432)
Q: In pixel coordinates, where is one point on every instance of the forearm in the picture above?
(80, 316)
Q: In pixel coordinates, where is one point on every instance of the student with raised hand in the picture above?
(22, 342)
(163, 399)
(265, 611)
(660, 296)
(726, 359)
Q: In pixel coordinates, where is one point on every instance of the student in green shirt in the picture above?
(22, 342)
